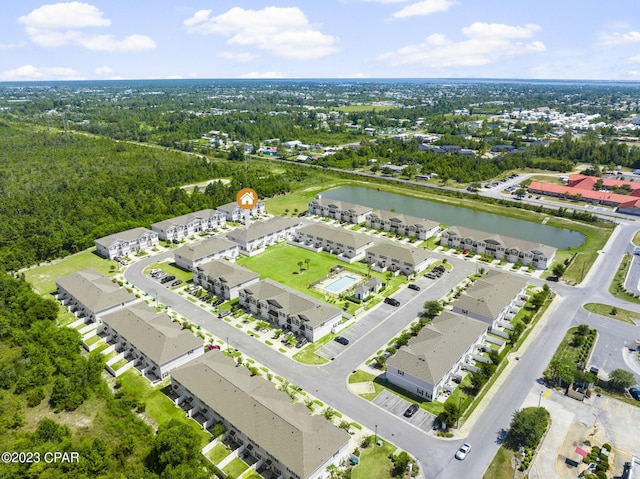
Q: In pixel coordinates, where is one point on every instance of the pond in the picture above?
(560, 238)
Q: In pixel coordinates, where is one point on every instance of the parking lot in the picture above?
(397, 406)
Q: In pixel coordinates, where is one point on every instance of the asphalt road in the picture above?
(328, 382)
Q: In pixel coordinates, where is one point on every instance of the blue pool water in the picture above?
(340, 284)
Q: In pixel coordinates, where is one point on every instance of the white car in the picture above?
(463, 451)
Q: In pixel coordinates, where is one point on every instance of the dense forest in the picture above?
(42, 369)
(60, 191)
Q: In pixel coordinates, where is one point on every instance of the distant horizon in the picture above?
(44, 40)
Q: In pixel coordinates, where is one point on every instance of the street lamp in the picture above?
(375, 441)
(540, 397)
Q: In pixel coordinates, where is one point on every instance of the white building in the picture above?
(254, 239)
(126, 242)
(400, 258)
(189, 257)
(338, 210)
(223, 279)
(233, 212)
(400, 224)
(188, 225)
(348, 246)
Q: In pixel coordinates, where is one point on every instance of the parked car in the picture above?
(392, 302)
(166, 279)
(342, 340)
(635, 392)
(301, 342)
(463, 451)
(414, 287)
(411, 410)
(177, 282)
(175, 241)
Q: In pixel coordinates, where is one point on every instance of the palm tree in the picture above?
(306, 262)
(300, 263)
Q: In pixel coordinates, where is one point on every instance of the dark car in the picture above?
(175, 241)
(392, 302)
(411, 410)
(414, 287)
(177, 282)
(166, 279)
(341, 340)
(635, 393)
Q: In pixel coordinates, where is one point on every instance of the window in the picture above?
(400, 373)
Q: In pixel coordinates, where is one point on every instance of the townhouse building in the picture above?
(338, 210)
(347, 245)
(89, 294)
(404, 259)
(256, 237)
(223, 278)
(188, 225)
(404, 225)
(189, 257)
(126, 242)
(282, 438)
(233, 212)
(498, 246)
(151, 340)
(437, 356)
(290, 310)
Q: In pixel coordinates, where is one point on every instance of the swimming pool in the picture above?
(340, 284)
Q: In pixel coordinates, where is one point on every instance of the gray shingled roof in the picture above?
(301, 442)
(128, 235)
(490, 295)
(152, 333)
(405, 219)
(204, 248)
(260, 229)
(506, 241)
(185, 219)
(337, 235)
(438, 346)
(96, 291)
(344, 205)
(400, 252)
(294, 302)
(230, 273)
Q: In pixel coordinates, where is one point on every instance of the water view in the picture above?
(560, 238)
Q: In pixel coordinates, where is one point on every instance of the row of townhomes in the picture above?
(283, 440)
(350, 246)
(223, 278)
(149, 340)
(253, 239)
(290, 310)
(189, 257)
(397, 223)
(126, 242)
(188, 225)
(513, 250)
(441, 352)
(338, 210)
(233, 212)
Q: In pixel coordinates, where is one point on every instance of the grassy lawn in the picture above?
(606, 310)
(361, 376)
(218, 453)
(280, 263)
(118, 364)
(65, 317)
(500, 467)
(636, 238)
(616, 287)
(375, 462)
(236, 467)
(158, 405)
(308, 354)
(173, 270)
(43, 277)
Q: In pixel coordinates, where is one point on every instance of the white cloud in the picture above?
(385, 1)
(634, 59)
(634, 73)
(425, 7)
(485, 44)
(103, 71)
(284, 32)
(615, 38)
(29, 72)
(10, 46)
(262, 75)
(65, 15)
(237, 57)
(61, 24)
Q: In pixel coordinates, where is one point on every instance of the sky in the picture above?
(159, 39)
